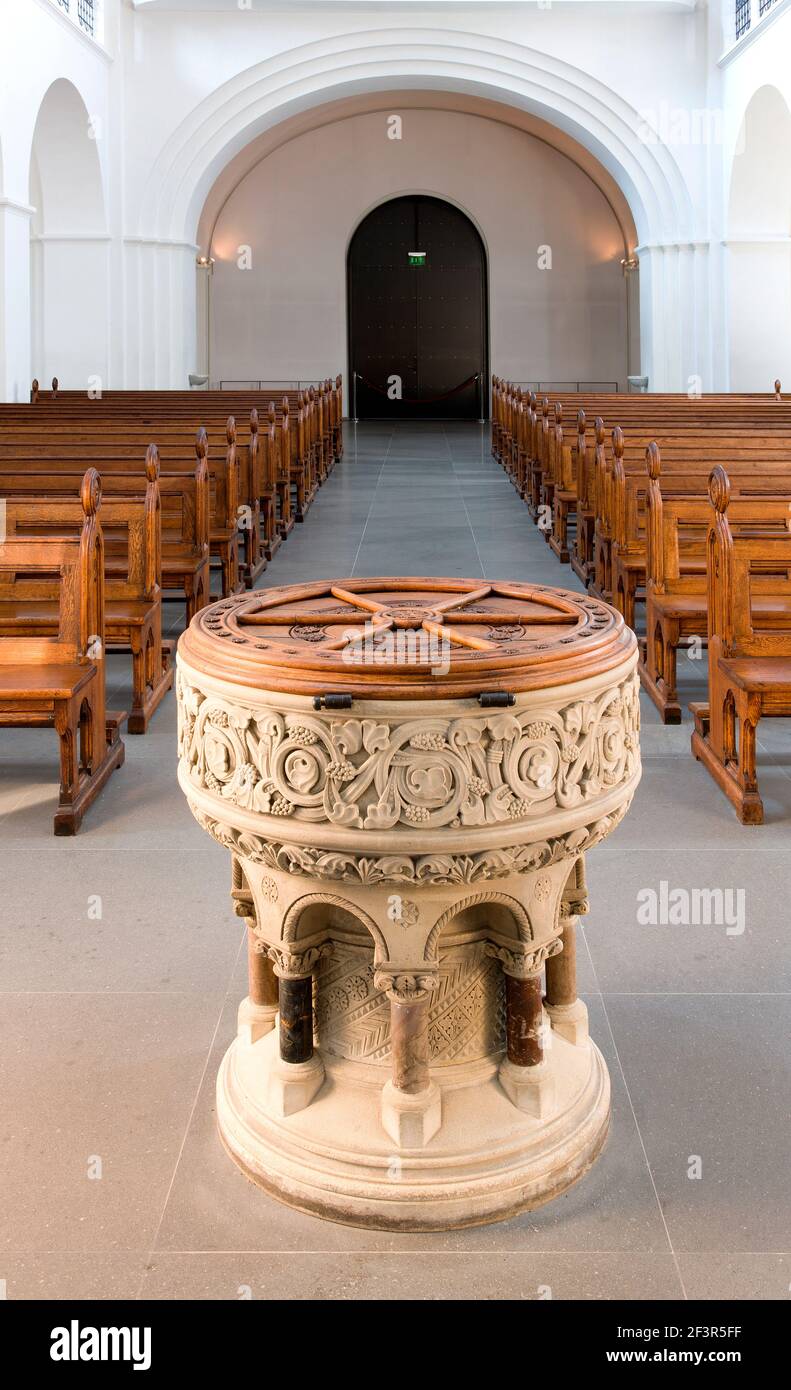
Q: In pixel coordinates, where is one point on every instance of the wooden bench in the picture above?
(111, 451)
(58, 681)
(552, 465)
(687, 460)
(315, 434)
(132, 588)
(324, 399)
(270, 461)
(676, 578)
(184, 509)
(749, 663)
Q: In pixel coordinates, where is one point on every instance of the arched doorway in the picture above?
(417, 312)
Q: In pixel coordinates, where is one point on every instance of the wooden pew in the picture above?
(551, 465)
(591, 463)
(676, 579)
(58, 681)
(266, 459)
(688, 457)
(132, 587)
(184, 512)
(749, 662)
(315, 438)
(111, 450)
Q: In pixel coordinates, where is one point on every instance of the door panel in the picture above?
(425, 324)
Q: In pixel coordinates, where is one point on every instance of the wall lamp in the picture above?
(205, 262)
(629, 263)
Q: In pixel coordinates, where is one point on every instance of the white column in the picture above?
(15, 369)
(677, 338)
(72, 296)
(162, 346)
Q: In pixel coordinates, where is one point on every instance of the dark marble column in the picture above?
(295, 998)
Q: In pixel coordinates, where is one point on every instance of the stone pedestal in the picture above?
(408, 841)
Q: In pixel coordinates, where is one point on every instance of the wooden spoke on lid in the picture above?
(499, 636)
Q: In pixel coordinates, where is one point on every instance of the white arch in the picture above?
(65, 152)
(759, 245)
(262, 96)
(69, 251)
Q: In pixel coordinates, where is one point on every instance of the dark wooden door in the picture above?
(425, 324)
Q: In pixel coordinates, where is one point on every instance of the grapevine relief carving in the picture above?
(434, 773)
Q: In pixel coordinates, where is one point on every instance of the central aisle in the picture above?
(417, 498)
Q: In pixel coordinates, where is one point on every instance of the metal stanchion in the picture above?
(354, 398)
(479, 379)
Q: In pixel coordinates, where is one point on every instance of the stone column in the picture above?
(297, 1074)
(411, 1101)
(295, 1001)
(258, 1011)
(16, 369)
(525, 1073)
(568, 1015)
(523, 1019)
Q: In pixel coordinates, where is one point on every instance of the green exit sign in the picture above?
(417, 257)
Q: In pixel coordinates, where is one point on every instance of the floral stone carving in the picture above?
(378, 774)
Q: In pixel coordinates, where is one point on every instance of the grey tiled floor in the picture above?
(113, 1028)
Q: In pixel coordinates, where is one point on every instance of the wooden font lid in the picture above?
(406, 638)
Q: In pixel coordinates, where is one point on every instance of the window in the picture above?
(742, 17)
(84, 13)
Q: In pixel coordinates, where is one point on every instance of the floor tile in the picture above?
(429, 1276)
(710, 1082)
(96, 1093)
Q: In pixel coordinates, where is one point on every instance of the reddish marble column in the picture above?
(523, 1019)
(409, 1041)
(562, 969)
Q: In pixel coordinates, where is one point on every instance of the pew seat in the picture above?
(132, 613)
(127, 627)
(680, 617)
(766, 676)
(37, 684)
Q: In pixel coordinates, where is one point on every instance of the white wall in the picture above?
(42, 46)
(180, 89)
(223, 79)
(757, 156)
(285, 317)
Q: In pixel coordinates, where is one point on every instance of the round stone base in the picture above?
(487, 1161)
